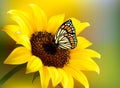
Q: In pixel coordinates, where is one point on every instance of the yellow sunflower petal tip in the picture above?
(31, 4)
(98, 71)
(87, 86)
(80, 26)
(5, 62)
(10, 11)
(8, 62)
(87, 24)
(99, 56)
(27, 71)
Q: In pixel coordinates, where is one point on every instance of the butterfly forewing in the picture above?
(65, 37)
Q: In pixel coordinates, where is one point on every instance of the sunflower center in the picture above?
(49, 48)
(43, 46)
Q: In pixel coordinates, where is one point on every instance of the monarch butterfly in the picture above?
(65, 37)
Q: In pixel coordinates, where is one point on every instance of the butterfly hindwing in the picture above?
(72, 39)
(65, 37)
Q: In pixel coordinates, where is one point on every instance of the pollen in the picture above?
(44, 47)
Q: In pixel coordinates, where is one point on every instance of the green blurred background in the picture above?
(103, 16)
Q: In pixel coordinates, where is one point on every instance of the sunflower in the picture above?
(36, 35)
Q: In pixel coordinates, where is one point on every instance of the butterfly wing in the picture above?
(65, 37)
(63, 42)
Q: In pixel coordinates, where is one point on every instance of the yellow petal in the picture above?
(70, 81)
(23, 20)
(78, 75)
(34, 64)
(67, 80)
(24, 40)
(89, 53)
(54, 23)
(83, 63)
(19, 55)
(79, 26)
(92, 53)
(44, 77)
(55, 76)
(82, 43)
(39, 18)
(14, 32)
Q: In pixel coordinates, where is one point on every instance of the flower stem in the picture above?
(9, 74)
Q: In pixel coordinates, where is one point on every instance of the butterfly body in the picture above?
(65, 38)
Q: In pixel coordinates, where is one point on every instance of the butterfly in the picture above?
(65, 37)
